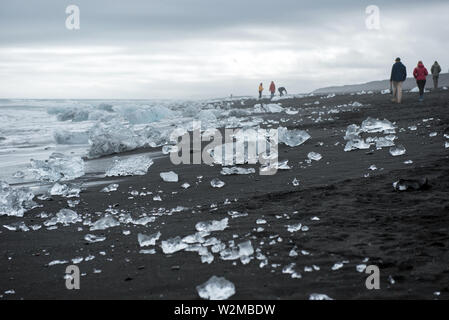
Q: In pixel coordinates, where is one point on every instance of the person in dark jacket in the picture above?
(420, 73)
(436, 70)
(398, 76)
(282, 91)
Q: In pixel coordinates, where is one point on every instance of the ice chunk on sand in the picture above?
(110, 138)
(383, 142)
(169, 176)
(319, 296)
(110, 188)
(356, 144)
(65, 190)
(236, 170)
(314, 156)
(295, 182)
(375, 125)
(245, 249)
(93, 238)
(173, 245)
(213, 225)
(294, 227)
(16, 226)
(397, 151)
(353, 132)
(217, 183)
(412, 184)
(268, 108)
(57, 167)
(216, 288)
(145, 241)
(292, 138)
(15, 202)
(67, 216)
(104, 223)
(185, 185)
(133, 166)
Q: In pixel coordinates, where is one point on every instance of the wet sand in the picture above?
(406, 234)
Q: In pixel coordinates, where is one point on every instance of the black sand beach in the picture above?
(362, 219)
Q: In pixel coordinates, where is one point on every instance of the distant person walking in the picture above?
(272, 89)
(398, 76)
(282, 91)
(260, 90)
(436, 70)
(420, 73)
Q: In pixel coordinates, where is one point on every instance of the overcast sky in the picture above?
(140, 49)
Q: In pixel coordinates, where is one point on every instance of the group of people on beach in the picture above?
(272, 89)
(399, 75)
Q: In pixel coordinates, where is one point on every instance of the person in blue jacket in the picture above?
(398, 76)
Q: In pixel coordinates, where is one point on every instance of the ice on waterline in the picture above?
(169, 176)
(57, 168)
(133, 166)
(213, 225)
(145, 240)
(71, 137)
(292, 138)
(216, 288)
(15, 202)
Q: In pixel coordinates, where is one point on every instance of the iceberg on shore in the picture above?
(58, 167)
(15, 202)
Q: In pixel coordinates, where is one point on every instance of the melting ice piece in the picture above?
(217, 183)
(405, 185)
(57, 167)
(145, 241)
(245, 248)
(104, 223)
(294, 227)
(384, 142)
(15, 202)
(375, 125)
(216, 288)
(337, 265)
(93, 238)
(319, 296)
(65, 190)
(356, 144)
(173, 245)
(169, 176)
(314, 156)
(236, 170)
(55, 262)
(397, 151)
(133, 166)
(352, 132)
(292, 138)
(360, 267)
(295, 182)
(67, 216)
(213, 225)
(185, 185)
(110, 188)
(16, 226)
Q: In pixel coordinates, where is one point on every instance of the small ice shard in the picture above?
(236, 214)
(104, 223)
(147, 251)
(185, 185)
(173, 245)
(73, 203)
(213, 225)
(169, 176)
(235, 170)
(397, 151)
(292, 138)
(408, 162)
(245, 248)
(110, 188)
(261, 221)
(16, 226)
(412, 128)
(293, 252)
(319, 296)
(145, 240)
(372, 167)
(93, 238)
(289, 269)
(360, 267)
(65, 190)
(391, 280)
(433, 134)
(15, 201)
(294, 227)
(217, 183)
(77, 260)
(55, 262)
(337, 265)
(58, 167)
(446, 144)
(314, 156)
(132, 166)
(67, 216)
(216, 288)
(295, 182)
(408, 185)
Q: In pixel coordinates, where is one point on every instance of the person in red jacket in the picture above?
(272, 89)
(420, 73)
